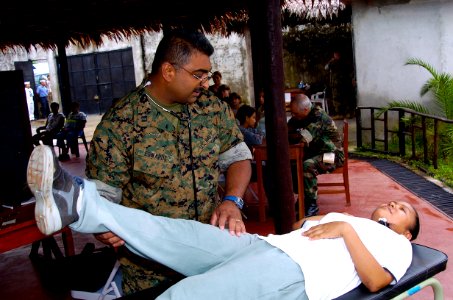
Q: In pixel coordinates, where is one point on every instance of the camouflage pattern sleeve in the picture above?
(326, 137)
(109, 158)
(229, 133)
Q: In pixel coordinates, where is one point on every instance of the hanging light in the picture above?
(314, 9)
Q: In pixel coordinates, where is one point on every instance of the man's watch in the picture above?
(237, 200)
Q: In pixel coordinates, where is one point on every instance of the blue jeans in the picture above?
(45, 111)
(218, 265)
(71, 137)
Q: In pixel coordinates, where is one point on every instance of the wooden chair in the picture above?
(84, 140)
(81, 136)
(342, 170)
(296, 152)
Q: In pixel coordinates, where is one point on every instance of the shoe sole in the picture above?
(40, 172)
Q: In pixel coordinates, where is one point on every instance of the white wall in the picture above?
(386, 37)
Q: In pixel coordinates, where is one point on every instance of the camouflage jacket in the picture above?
(323, 130)
(137, 148)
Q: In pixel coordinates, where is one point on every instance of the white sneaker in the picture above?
(56, 192)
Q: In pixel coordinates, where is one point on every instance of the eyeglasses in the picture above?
(202, 79)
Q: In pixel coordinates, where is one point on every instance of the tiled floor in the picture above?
(369, 187)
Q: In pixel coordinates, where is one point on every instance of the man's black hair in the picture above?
(415, 229)
(56, 104)
(243, 112)
(177, 46)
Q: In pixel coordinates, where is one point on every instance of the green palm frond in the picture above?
(418, 107)
(441, 85)
(447, 145)
(421, 63)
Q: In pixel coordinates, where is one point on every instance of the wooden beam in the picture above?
(266, 34)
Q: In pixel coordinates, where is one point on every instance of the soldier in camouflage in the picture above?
(312, 125)
(162, 148)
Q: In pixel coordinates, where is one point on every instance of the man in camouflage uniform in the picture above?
(313, 126)
(162, 147)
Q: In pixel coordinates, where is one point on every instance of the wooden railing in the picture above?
(399, 123)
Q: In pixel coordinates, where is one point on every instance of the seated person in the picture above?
(235, 102)
(74, 125)
(311, 125)
(246, 115)
(223, 93)
(218, 264)
(260, 114)
(217, 78)
(54, 123)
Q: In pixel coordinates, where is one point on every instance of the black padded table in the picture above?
(426, 262)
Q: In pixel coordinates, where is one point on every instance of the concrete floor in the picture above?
(369, 187)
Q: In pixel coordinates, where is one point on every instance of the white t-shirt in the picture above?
(327, 265)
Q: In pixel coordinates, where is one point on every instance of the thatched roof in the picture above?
(49, 22)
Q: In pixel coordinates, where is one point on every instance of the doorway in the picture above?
(96, 79)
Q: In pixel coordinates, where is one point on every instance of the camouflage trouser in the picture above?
(140, 274)
(312, 168)
(339, 101)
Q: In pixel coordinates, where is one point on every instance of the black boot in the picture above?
(311, 209)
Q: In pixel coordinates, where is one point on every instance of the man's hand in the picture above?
(228, 213)
(330, 230)
(110, 239)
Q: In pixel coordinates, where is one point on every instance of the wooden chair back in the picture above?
(296, 152)
(344, 184)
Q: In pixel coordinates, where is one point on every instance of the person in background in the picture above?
(260, 115)
(246, 116)
(75, 122)
(235, 102)
(217, 78)
(49, 88)
(29, 94)
(260, 109)
(323, 151)
(162, 147)
(340, 83)
(54, 123)
(323, 258)
(43, 92)
(223, 93)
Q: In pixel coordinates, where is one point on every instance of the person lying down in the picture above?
(325, 258)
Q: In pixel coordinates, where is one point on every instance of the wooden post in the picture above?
(402, 133)
(358, 121)
(63, 73)
(425, 141)
(266, 18)
(436, 143)
(373, 129)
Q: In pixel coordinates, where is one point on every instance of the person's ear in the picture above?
(168, 71)
(408, 234)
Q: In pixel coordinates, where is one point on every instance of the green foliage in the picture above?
(418, 107)
(307, 48)
(448, 144)
(317, 42)
(441, 87)
(444, 173)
